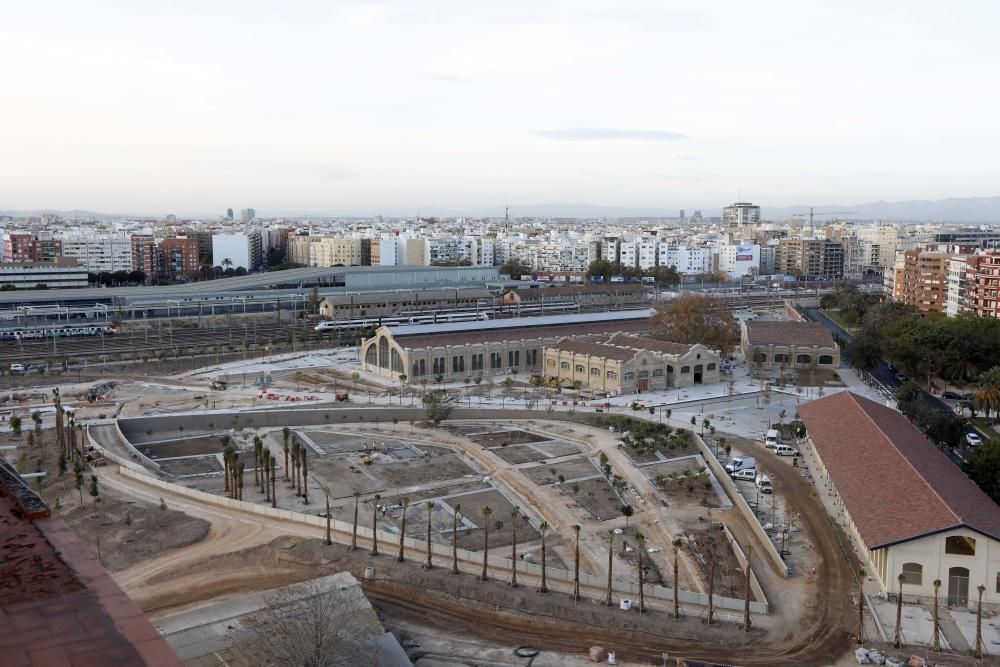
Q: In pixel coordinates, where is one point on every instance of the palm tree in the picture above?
(711, 585)
(576, 565)
(305, 476)
(640, 540)
(611, 550)
(677, 543)
(326, 492)
(227, 263)
(430, 509)
(354, 531)
(979, 622)
(486, 539)
(936, 637)
(543, 528)
(274, 488)
(374, 551)
(284, 445)
(258, 449)
(987, 398)
(746, 591)
(402, 531)
(513, 547)
(897, 636)
(454, 539)
(265, 462)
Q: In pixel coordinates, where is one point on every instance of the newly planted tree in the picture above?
(611, 553)
(374, 551)
(454, 539)
(640, 541)
(354, 530)
(402, 531)
(543, 528)
(576, 565)
(430, 511)
(513, 547)
(486, 539)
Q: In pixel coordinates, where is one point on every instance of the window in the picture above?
(780, 358)
(629, 376)
(531, 357)
(564, 365)
(514, 359)
(710, 367)
(913, 573)
(595, 371)
(550, 362)
(383, 353)
(438, 366)
(371, 356)
(803, 359)
(457, 364)
(760, 357)
(657, 372)
(644, 375)
(826, 359)
(998, 582)
(685, 369)
(477, 362)
(960, 545)
(397, 362)
(496, 360)
(612, 375)
(579, 368)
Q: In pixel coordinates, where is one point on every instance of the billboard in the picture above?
(744, 253)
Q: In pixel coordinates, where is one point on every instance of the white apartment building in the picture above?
(628, 252)
(610, 249)
(740, 213)
(956, 285)
(688, 260)
(738, 260)
(878, 247)
(647, 251)
(234, 247)
(101, 253)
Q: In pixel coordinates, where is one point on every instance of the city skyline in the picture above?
(192, 108)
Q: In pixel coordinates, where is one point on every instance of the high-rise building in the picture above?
(144, 255)
(180, 257)
(248, 215)
(923, 280)
(739, 214)
(809, 257)
(17, 247)
(100, 253)
(229, 213)
(982, 285)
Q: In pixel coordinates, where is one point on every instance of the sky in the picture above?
(193, 106)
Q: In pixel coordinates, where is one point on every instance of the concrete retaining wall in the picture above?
(770, 552)
(497, 566)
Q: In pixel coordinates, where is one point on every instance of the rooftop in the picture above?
(651, 344)
(595, 349)
(895, 483)
(58, 605)
(520, 323)
(763, 332)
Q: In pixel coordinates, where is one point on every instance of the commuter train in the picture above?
(68, 331)
(397, 320)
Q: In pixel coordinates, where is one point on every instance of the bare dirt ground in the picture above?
(597, 497)
(497, 438)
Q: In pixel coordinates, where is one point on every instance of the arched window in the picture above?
(760, 357)
(960, 545)
(685, 369)
(383, 352)
(826, 359)
(397, 361)
(579, 368)
(913, 573)
(564, 365)
(612, 375)
(371, 356)
(780, 358)
(803, 359)
(595, 371)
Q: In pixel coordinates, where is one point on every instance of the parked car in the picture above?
(951, 395)
(763, 483)
(973, 439)
(741, 463)
(746, 475)
(786, 450)
(17, 368)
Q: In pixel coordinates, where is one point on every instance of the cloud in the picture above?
(610, 133)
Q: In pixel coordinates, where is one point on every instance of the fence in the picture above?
(342, 530)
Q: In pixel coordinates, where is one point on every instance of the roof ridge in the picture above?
(892, 443)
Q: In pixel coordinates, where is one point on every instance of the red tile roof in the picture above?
(895, 483)
(788, 333)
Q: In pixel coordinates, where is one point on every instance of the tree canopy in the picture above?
(696, 318)
(515, 268)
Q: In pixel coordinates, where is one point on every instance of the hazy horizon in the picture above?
(191, 107)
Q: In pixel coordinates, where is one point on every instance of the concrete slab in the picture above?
(966, 622)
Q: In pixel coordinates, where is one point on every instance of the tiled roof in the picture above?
(595, 349)
(493, 335)
(788, 333)
(895, 483)
(651, 344)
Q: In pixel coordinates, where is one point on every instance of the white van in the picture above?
(763, 483)
(786, 450)
(17, 368)
(771, 439)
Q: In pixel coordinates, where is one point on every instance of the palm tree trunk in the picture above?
(677, 602)
(329, 540)
(486, 548)
(274, 488)
(746, 594)
(576, 566)
(543, 588)
(454, 542)
(428, 564)
(611, 550)
(897, 636)
(711, 588)
(354, 531)
(402, 534)
(936, 637)
(642, 588)
(374, 551)
(513, 552)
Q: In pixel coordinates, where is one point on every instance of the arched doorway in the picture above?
(958, 587)
(698, 373)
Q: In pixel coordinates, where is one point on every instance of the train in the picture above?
(68, 331)
(397, 320)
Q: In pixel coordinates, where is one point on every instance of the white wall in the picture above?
(233, 246)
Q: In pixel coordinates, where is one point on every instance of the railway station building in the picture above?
(629, 364)
(774, 345)
(460, 350)
(909, 509)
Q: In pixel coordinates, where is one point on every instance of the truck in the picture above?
(771, 439)
(741, 463)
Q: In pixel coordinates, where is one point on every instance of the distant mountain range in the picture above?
(954, 210)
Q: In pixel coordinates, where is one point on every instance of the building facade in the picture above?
(982, 285)
(100, 254)
(774, 345)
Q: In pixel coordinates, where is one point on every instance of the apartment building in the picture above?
(740, 214)
(955, 299)
(982, 285)
(100, 253)
(923, 281)
(180, 257)
(688, 260)
(809, 257)
(17, 247)
(144, 255)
